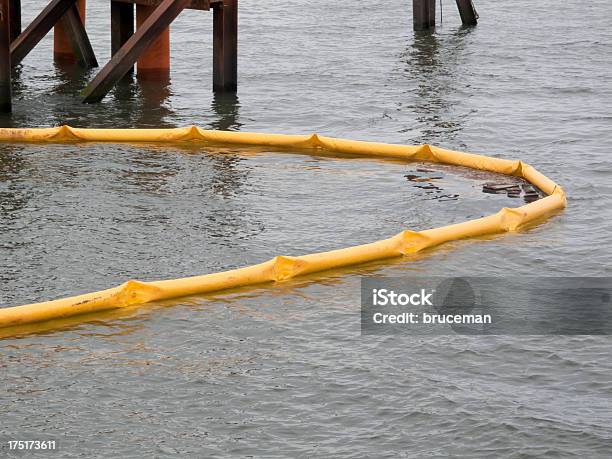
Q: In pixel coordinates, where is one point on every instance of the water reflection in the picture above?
(228, 178)
(125, 91)
(17, 90)
(70, 78)
(56, 98)
(226, 106)
(433, 72)
(17, 85)
(145, 103)
(155, 107)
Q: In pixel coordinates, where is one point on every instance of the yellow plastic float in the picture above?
(282, 268)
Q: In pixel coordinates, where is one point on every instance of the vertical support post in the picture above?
(154, 62)
(124, 59)
(62, 45)
(122, 26)
(5, 57)
(225, 46)
(424, 14)
(15, 14)
(468, 13)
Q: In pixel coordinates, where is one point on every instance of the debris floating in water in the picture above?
(500, 188)
(513, 187)
(513, 190)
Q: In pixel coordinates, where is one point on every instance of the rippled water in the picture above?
(283, 371)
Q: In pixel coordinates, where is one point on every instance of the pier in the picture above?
(140, 36)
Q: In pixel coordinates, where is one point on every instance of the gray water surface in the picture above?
(284, 371)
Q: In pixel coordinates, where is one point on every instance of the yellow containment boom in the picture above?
(281, 268)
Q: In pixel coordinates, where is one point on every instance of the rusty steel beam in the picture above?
(125, 58)
(39, 27)
(77, 36)
(467, 11)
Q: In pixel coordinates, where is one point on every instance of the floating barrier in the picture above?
(282, 268)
